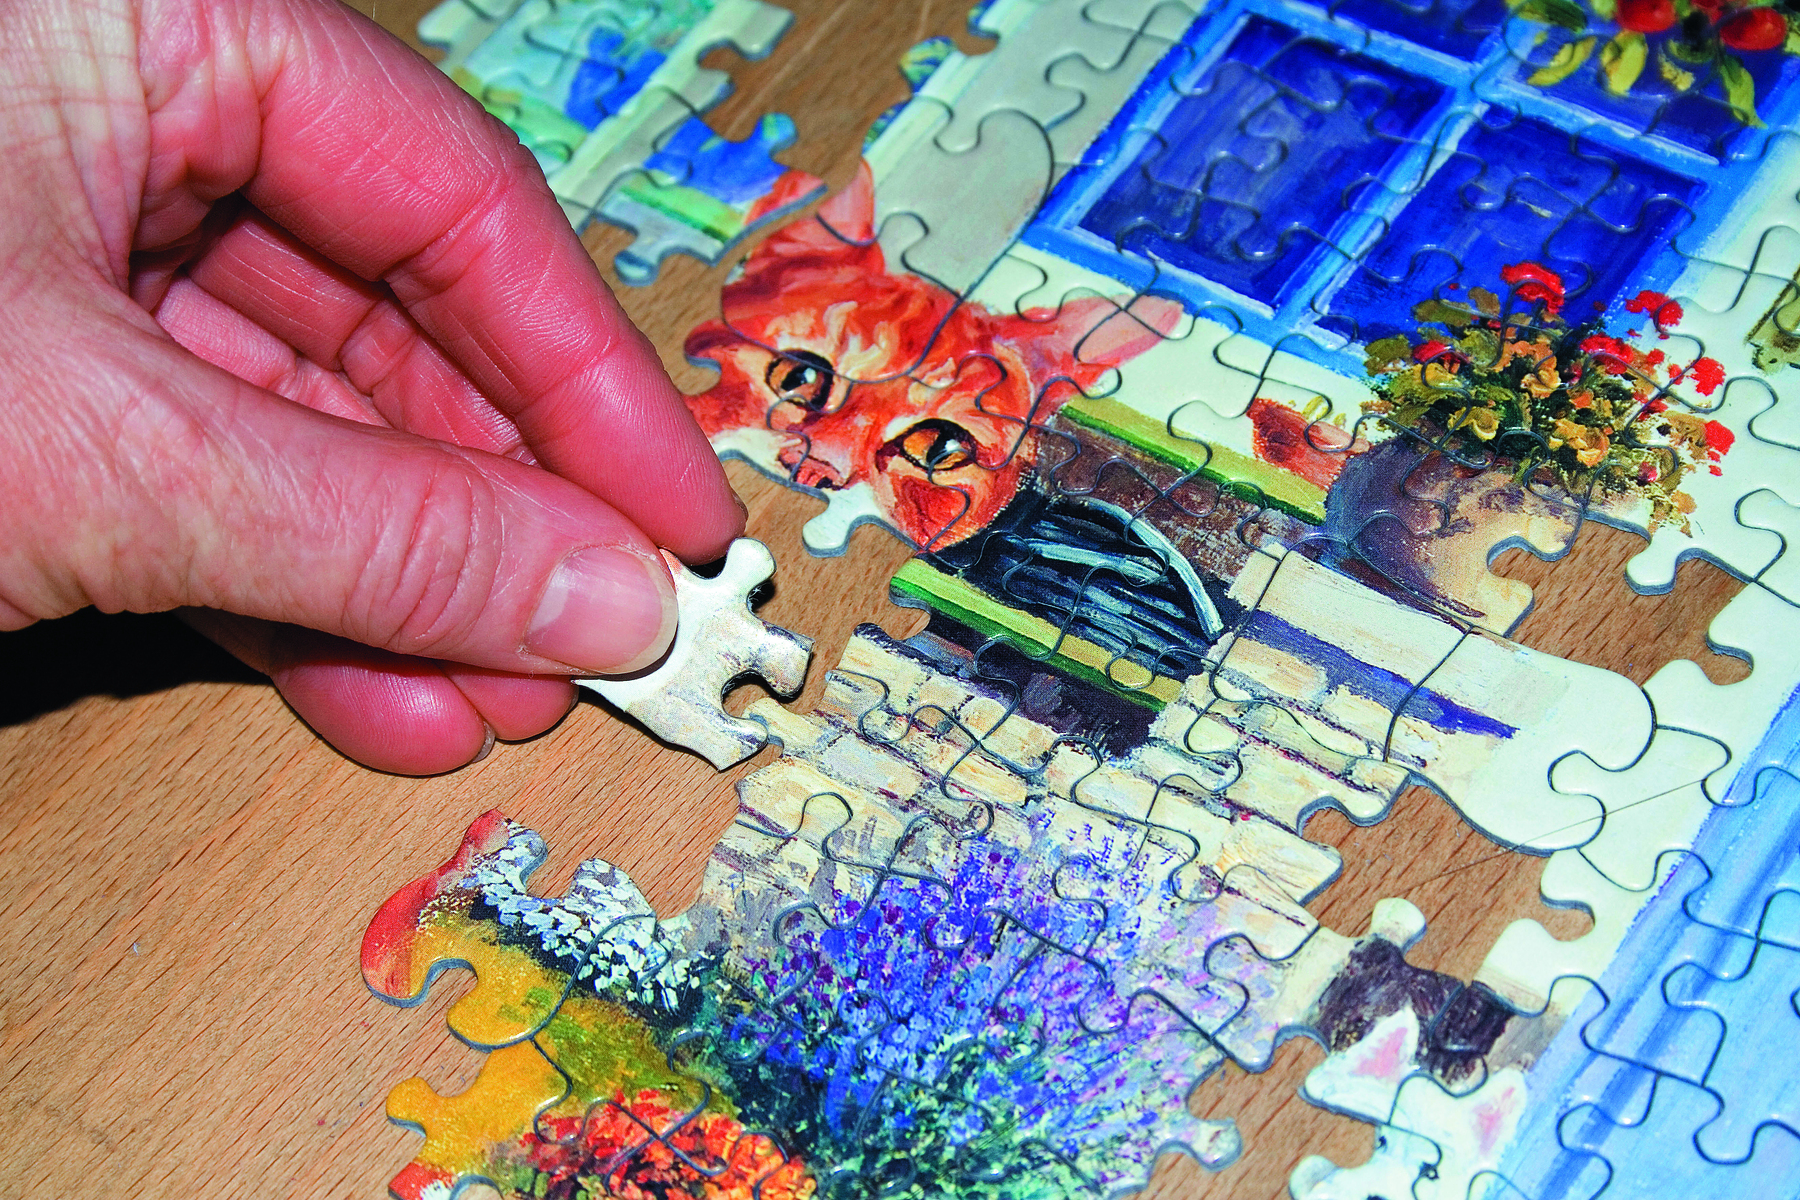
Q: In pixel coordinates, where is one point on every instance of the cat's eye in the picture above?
(801, 377)
(936, 446)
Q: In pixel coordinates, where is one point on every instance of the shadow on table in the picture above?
(52, 664)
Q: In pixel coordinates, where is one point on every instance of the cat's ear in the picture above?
(1090, 333)
(851, 213)
(841, 232)
(734, 402)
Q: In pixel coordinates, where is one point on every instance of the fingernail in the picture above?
(487, 747)
(604, 612)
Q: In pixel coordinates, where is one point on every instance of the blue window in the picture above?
(1522, 192)
(1261, 157)
(1454, 27)
(1310, 173)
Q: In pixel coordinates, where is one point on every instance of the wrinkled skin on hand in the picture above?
(298, 341)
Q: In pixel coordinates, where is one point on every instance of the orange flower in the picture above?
(1590, 445)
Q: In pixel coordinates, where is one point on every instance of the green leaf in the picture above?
(1565, 13)
(1386, 353)
(1677, 78)
(1792, 45)
(1453, 315)
(1485, 301)
(1622, 61)
(1740, 90)
(1697, 55)
(1606, 10)
(1567, 60)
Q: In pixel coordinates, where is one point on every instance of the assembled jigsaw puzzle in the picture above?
(1208, 354)
(607, 95)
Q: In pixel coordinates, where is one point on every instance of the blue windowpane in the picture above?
(1266, 152)
(1456, 27)
(1522, 192)
(1698, 117)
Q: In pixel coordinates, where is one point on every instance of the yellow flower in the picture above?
(1484, 423)
(1544, 380)
(1438, 375)
(1590, 445)
(1535, 351)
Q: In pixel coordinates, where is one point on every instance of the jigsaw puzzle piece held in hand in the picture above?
(718, 642)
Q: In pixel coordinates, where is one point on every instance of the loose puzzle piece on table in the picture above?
(1208, 357)
(608, 94)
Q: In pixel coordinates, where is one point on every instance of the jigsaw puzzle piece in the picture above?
(1481, 719)
(431, 925)
(959, 394)
(1637, 1156)
(1430, 522)
(1526, 962)
(607, 95)
(1754, 1008)
(1654, 806)
(529, 953)
(1762, 628)
(1034, 42)
(517, 1086)
(1757, 846)
(700, 194)
(1766, 510)
(1499, 199)
(1433, 1146)
(1744, 418)
(1399, 1162)
(718, 642)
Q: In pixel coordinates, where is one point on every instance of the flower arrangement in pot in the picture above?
(1568, 404)
(1508, 425)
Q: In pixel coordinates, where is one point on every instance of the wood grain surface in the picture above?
(188, 870)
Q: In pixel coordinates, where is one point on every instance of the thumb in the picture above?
(163, 481)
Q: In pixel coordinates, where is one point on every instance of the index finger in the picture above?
(374, 158)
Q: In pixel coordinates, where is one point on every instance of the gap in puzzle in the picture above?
(1207, 355)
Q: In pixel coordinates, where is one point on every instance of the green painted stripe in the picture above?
(962, 601)
(1251, 479)
(691, 207)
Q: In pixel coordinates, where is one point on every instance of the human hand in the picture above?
(297, 339)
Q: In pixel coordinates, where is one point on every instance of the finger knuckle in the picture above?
(433, 578)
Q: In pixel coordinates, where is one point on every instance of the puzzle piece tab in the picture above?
(718, 642)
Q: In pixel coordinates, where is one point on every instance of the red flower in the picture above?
(1646, 16)
(1612, 354)
(1707, 374)
(1718, 440)
(1430, 351)
(1665, 312)
(1647, 472)
(1655, 405)
(1755, 29)
(1535, 283)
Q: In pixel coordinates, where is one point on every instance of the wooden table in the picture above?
(189, 870)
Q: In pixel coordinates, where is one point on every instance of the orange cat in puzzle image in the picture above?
(861, 376)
